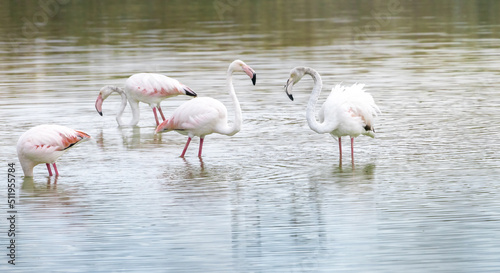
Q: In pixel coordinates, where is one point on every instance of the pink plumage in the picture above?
(200, 116)
(204, 116)
(150, 88)
(45, 144)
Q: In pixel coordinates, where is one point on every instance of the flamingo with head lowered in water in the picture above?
(202, 116)
(149, 88)
(348, 110)
(45, 144)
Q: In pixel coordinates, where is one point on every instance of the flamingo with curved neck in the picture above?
(149, 88)
(202, 116)
(348, 110)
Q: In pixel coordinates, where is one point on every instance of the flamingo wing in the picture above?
(44, 140)
(46, 143)
(148, 86)
(200, 115)
(362, 104)
(353, 109)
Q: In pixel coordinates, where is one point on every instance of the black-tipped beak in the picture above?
(98, 104)
(190, 92)
(254, 78)
(288, 85)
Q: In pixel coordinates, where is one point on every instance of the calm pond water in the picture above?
(423, 196)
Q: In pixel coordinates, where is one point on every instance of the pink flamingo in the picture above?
(204, 116)
(45, 144)
(348, 111)
(149, 88)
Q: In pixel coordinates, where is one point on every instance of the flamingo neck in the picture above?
(122, 105)
(311, 105)
(133, 105)
(27, 166)
(231, 130)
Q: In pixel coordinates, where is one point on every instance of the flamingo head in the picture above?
(162, 127)
(239, 65)
(295, 75)
(103, 94)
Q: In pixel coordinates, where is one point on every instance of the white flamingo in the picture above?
(204, 116)
(348, 110)
(149, 88)
(45, 144)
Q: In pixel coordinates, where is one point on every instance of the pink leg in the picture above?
(201, 147)
(156, 117)
(185, 147)
(55, 169)
(340, 150)
(352, 150)
(48, 169)
(161, 112)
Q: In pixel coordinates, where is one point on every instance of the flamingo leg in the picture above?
(161, 112)
(340, 150)
(201, 147)
(156, 117)
(352, 150)
(48, 169)
(185, 147)
(55, 169)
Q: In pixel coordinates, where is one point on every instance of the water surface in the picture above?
(422, 196)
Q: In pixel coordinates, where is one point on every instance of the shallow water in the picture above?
(422, 196)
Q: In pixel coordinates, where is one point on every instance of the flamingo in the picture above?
(205, 115)
(348, 110)
(45, 144)
(149, 88)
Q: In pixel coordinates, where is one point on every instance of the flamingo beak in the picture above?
(161, 127)
(98, 104)
(288, 88)
(251, 73)
(189, 91)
